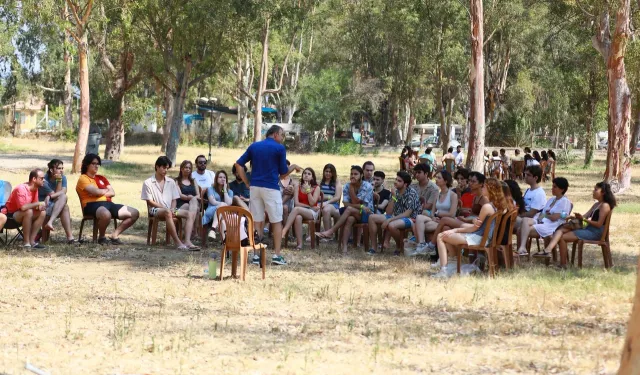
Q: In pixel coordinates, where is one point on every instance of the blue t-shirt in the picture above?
(239, 188)
(269, 160)
(49, 186)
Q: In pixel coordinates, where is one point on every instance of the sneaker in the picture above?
(397, 253)
(115, 241)
(420, 250)
(279, 260)
(255, 259)
(431, 246)
(371, 252)
(38, 246)
(413, 239)
(212, 234)
(443, 274)
(103, 241)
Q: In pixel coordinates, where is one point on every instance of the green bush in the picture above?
(565, 156)
(66, 134)
(340, 148)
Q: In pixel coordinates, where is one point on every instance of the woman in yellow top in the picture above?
(96, 203)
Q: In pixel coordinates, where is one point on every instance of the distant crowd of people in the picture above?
(442, 208)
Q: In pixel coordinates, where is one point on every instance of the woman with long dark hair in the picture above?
(306, 195)
(189, 190)
(218, 195)
(332, 191)
(592, 222)
(516, 194)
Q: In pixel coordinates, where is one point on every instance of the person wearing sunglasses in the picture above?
(23, 207)
(202, 176)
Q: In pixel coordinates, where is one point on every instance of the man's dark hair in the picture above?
(163, 161)
(422, 167)
(54, 163)
(233, 169)
(34, 173)
(458, 146)
(479, 176)
(198, 157)
(503, 151)
(428, 150)
(379, 174)
(527, 150)
(464, 172)
(358, 168)
(517, 151)
(406, 177)
(87, 160)
(450, 149)
(369, 162)
(274, 129)
(562, 183)
(535, 171)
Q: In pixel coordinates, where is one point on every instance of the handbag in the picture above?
(572, 224)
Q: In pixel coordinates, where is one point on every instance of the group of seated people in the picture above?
(439, 215)
(411, 158)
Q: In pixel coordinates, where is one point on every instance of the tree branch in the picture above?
(284, 68)
(246, 93)
(199, 79)
(49, 89)
(87, 12)
(74, 12)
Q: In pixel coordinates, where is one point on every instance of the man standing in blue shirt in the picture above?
(269, 164)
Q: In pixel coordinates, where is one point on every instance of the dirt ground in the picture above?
(135, 309)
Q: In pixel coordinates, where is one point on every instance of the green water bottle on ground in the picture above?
(213, 267)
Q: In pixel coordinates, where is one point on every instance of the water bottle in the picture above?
(563, 215)
(211, 271)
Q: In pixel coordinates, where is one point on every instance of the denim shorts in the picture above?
(590, 233)
(407, 222)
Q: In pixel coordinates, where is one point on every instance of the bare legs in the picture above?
(447, 242)
(523, 234)
(295, 217)
(60, 209)
(329, 212)
(31, 221)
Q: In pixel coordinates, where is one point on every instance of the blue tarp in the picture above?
(188, 118)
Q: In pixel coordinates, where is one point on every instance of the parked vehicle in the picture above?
(433, 141)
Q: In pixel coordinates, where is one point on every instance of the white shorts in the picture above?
(265, 200)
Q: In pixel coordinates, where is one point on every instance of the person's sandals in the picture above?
(321, 235)
(194, 248)
(183, 247)
(72, 241)
(103, 241)
(542, 254)
(523, 253)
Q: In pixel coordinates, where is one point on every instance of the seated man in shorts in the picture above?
(357, 197)
(23, 206)
(405, 205)
(95, 201)
(161, 193)
(54, 195)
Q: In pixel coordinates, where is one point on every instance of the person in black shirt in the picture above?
(381, 195)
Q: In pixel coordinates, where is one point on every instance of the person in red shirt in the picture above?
(23, 206)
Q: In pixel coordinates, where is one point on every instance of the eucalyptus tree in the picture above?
(183, 43)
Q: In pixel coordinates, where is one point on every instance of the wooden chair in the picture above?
(518, 169)
(313, 225)
(152, 229)
(491, 250)
(95, 227)
(603, 243)
(231, 216)
(510, 219)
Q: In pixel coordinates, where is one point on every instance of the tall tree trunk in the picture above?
(442, 111)
(68, 89)
(395, 112)
(168, 110)
(412, 123)
(83, 131)
(592, 102)
(475, 155)
(262, 83)
(178, 109)
(115, 138)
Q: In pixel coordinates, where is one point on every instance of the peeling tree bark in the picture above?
(613, 49)
(590, 112)
(475, 154)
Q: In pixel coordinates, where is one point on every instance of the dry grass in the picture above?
(138, 310)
